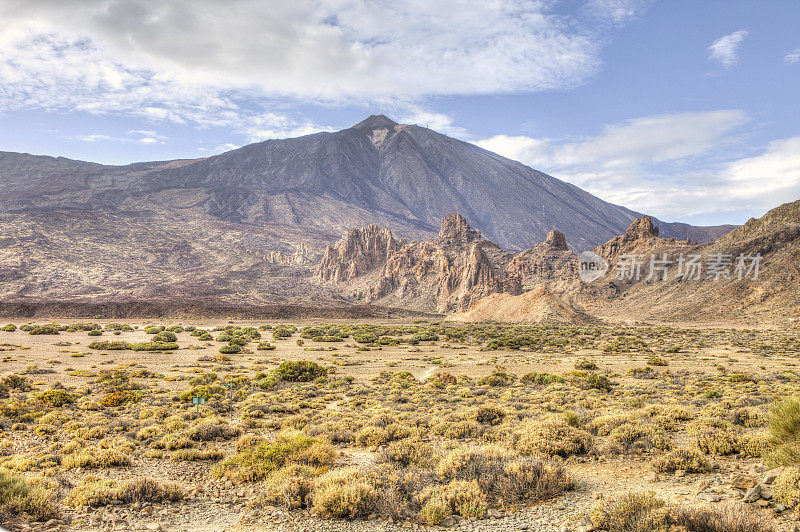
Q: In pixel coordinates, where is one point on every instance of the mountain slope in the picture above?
(402, 177)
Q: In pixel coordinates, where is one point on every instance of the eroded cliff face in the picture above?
(356, 253)
(449, 272)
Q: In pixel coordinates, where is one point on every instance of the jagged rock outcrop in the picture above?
(556, 240)
(356, 253)
(446, 273)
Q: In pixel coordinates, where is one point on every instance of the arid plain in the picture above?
(391, 424)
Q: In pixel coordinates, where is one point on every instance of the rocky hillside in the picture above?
(461, 271)
(729, 283)
(398, 176)
(446, 273)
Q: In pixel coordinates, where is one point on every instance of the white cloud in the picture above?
(725, 49)
(440, 122)
(672, 166)
(204, 62)
(93, 138)
(225, 147)
(793, 56)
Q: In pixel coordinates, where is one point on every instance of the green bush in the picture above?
(56, 398)
(300, 371)
(9, 328)
(154, 329)
(108, 346)
(154, 346)
(230, 349)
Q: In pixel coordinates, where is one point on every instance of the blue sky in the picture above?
(686, 110)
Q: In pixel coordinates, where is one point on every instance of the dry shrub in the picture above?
(462, 497)
(738, 518)
(504, 476)
(637, 437)
(631, 512)
(210, 432)
(257, 463)
(784, 431)
(343, 493)
(689, 460)
(291, 485)
(787, 487)
(95, 492)
(554, 438)
(21, 497)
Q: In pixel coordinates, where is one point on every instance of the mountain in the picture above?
(250, 225)
(772, 243)
(399, 176)
(461, 271)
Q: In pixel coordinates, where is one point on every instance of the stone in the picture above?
(494, 514)
(680, 473)
(156, 527)
(771, 475)
(742, 482)
(449, 521)
(753, 494)
(766, 492)
(652, 476)
(702, 485)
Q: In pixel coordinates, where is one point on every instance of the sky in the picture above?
(683, 109)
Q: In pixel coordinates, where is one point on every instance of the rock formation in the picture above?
(449, 272)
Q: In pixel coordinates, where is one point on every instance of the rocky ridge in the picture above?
(446, 273)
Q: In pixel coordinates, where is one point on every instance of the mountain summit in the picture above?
(403, 177)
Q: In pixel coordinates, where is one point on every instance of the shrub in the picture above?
(787, 487)
(119, 398)
(193, 455)
(657, 361)
(784, 431)
(230, 349)
(208, 432)
(96, 492)
(300, 371)
(585, 364)
(499, 377)
(154, 346)
(689, 460)
(45, 329)
(343, 493)
(590, 381)
(56, 398)
(555, 438)
(291, 485)
(165, 336)
(20, 497)
(728, 519)
(108, 346)
(504, 476)
(154, 329)
(266, 346)
(95, 332)
(257, 463)
(9, 328)
(463, 497)
(370, 436)
(631, 512)
(543, 379)
(716, 441)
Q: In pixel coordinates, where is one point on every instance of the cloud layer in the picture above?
(205, 61)
(673, 166)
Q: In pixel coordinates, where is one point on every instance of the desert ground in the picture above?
(383, 425)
